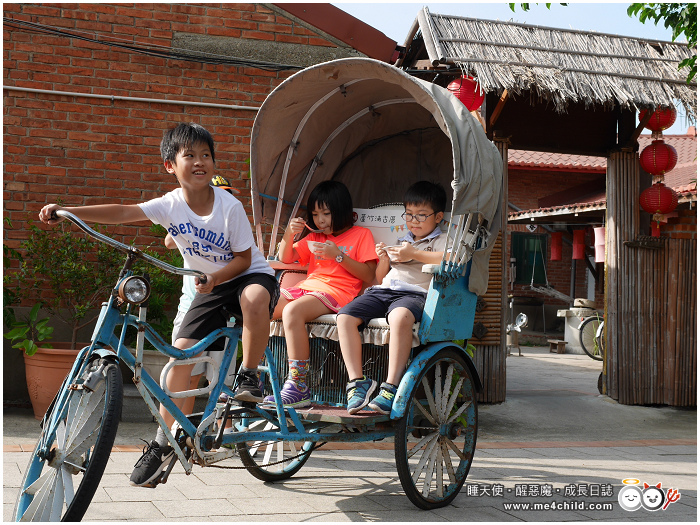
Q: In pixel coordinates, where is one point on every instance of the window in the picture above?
(529, 251)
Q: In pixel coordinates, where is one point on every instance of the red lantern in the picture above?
(468, 91)
(658, 158)
(658, 200)
(556, 246)
(579, 244)
(661, 119)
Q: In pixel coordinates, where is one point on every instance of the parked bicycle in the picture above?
(592, 336)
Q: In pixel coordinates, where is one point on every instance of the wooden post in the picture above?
(502, 144)
(650, 299)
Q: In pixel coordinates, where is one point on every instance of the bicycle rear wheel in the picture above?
(435, 439)
(588, 340)
(273, 459)
(61, 486)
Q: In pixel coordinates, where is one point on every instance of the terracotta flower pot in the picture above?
(46, 370)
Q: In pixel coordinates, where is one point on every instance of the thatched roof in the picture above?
(560, 65)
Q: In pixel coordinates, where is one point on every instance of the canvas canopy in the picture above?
(378, 130)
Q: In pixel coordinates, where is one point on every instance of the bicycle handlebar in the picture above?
(129, 249)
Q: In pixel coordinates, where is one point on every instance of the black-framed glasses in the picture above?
(420, 217)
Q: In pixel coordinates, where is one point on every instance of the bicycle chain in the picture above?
(315, 447)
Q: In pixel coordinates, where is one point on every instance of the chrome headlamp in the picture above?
(134, 290)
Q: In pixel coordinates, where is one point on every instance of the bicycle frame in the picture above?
(106, 343)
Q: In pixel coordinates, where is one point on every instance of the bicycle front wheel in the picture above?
(588, 340)
(61, 486)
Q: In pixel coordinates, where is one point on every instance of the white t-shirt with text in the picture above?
(207, 243)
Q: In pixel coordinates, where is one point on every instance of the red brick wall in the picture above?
(525, 187)
(88, 151)
(684, 226)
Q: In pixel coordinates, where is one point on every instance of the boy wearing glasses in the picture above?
(399, 297)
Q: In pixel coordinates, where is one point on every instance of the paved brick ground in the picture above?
(554, 430)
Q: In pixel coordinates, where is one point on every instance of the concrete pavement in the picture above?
(554, 434)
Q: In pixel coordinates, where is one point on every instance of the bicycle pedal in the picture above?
(163, 478)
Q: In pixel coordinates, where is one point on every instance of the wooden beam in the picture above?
(427, 64)
(591, 268)
(498, 109)
(638, 130)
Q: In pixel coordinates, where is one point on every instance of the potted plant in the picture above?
(69, 275)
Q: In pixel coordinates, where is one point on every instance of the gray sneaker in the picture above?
(248, 388)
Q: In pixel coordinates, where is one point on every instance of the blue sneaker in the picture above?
(359, 393)
(292, 396)
(384, 401)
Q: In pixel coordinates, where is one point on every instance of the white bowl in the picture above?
(312, 245)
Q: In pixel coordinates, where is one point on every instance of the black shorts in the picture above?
(211, 311)
(379, 302)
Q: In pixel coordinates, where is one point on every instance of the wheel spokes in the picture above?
(84, 429)
(429, 396)
(457, 389)
(430, 467)
(448, 460)
(439, 470)
(42, 490)
(425, 457)
(459, 453)
(459, 411)
(419, 446)
(417, 403)
(438, 392)
(57, 498)
(68, 491)
(268, 452)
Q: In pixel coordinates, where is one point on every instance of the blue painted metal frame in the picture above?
(408, 382)
(449, 307)
(105, 340)
(448, 315)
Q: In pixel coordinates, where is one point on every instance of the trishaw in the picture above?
(378, 130)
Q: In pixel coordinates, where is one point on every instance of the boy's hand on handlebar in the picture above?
(204, 287)
(47, 214)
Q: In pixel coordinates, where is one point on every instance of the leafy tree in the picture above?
(682, 18)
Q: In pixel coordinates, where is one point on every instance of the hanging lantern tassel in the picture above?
(579, 244)
(556, 246)
(599, 244)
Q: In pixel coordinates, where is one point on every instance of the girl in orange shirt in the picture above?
(340, 260)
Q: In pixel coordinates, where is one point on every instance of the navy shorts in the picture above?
(212, 310)
(379, 302)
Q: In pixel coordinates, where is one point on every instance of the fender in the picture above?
(106, 353)
(408, 381)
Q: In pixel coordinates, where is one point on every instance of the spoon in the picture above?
(311, 229)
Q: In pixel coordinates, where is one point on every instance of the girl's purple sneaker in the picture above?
(292, 396)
